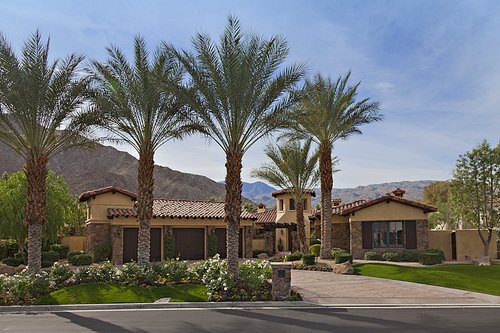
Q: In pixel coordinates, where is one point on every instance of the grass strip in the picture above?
(103, 293)
(482, 279)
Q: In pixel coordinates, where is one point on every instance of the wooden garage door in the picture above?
(130, 243)
(222, 242)
(190, 243)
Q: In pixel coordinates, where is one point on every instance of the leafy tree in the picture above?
(75, 226)
(38, 102)
(13, 208)
(436, 194)
(475, 189)
(293, 168)
(239, 95)
(328, 112)
(134, 104)
(249, 207)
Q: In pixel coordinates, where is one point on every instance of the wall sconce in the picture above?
(281, 231)
(119, 230)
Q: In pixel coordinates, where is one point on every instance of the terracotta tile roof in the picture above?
(269, 216)
(338, 210)
(288, 190)
(87, 195)
(163, 208)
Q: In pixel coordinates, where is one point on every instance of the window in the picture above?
(305, 204)
(292, 204)
(388, 234)
(281, 205)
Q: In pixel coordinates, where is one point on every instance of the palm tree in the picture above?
(329, 112)
(133, 103)
(38, 101)
(295, 170)
(239, 95)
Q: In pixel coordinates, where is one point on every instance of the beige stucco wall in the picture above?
(469, 243)
(259, 244)
(441, 239)
(283, 234)
(97, 209)
(289, 216)
(75, 243)
(384, 211)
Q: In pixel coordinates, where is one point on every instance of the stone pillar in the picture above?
(117, 244)
(97, 233)
(356, 240)
(295, 242)
(422, 235)
(248, 242)
(269, 242)
(340, 236)
(282, 278)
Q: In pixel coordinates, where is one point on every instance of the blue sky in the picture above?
(433, 65)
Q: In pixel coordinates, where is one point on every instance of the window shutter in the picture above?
(366, 231)
(411, 234)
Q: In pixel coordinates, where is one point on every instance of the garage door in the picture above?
(190, 243)
(130, 243)
(222, 242)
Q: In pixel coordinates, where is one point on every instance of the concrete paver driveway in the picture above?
(329, 288)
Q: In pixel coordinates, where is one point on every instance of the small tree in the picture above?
(475, 189)
(436, 194)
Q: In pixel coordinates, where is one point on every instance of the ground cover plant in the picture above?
(483, 279)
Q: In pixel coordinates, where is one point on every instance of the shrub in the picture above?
(86, 274)
(20, 286)
(168, 246)
(102, 251)
(294, 256)
(146, 274)
(50, 256)
(212, 245)
(61, 249)
(343, 257)
(255, 253)
(82, 259)
(315, 241)
(213, 274)
(60, 273)
(315, 249)
(308, 259)
(72, 254)
(392, 256)
(174, 270)
(254, 274)
(429, 258)
(20, 257)
(409, 255)
(107, 272)
(12, 261)
(439, 252)
(336, 250)
(10, 247)
(372, 256)
(129, 272)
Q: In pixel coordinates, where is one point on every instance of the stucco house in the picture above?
(111, 217)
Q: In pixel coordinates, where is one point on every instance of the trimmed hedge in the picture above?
(437, 251)
(50, 256)
(372, 256)
(315, 249)
(168, 246)
(315, 241)
(102, 251)
(308, 259)
(72, 254)
(82, 259)
(392, 256)
(429, 258)
(212, 245)
(294, 256)
(409, 256)
(61, 249)
(343, 257)
(14, 262)
(336, 250)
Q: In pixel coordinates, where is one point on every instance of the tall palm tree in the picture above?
(239, 94)
(294, 169)
(38, 101)
(133, 103)
(328, 112)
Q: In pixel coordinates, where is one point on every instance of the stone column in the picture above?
(117, 244)
(282, 278)
(248, 242)
(269, 242)
(295, 242)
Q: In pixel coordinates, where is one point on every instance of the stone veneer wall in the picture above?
(269, 242)
(356, 239)
(247, 253)
(295, 242)
(97, 233)
(317, 231)
(117, 243)
(340, 236)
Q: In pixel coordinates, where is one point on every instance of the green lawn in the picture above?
(483, 279)
(101, 293)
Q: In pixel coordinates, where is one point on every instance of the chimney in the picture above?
(261, 208)
(398, 193)
(336, 202)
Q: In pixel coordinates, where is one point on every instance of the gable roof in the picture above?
(178, 208)
(268, 216)
(290, 189)
(91, 194)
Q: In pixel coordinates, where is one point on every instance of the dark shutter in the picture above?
(411, 234)
(366, 230)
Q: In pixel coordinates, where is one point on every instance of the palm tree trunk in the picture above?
(232, 210)
(145, 182)
(301, 231)
(36, 210)
(325, 165)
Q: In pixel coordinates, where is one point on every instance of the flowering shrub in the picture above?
(60, 273)
(129, 272)
(147, 273)
(107, 272)
(24, 284)
(174, 270)
(213, 274)
(86, 275)
(254, 274)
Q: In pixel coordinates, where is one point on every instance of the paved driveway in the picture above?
(329, 288)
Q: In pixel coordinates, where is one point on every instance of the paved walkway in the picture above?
(337, 289)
